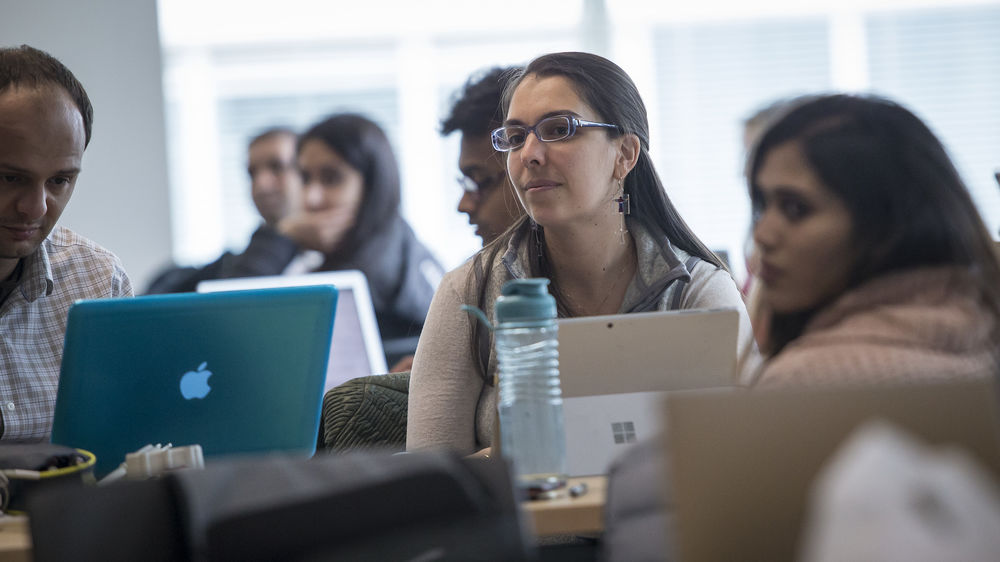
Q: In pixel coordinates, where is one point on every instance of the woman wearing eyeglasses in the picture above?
(599, 225)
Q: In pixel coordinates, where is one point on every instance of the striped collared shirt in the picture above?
(65, 268)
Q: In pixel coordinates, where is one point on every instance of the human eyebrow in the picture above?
(790, 193)
(18, 170)
(780, 190)
(557, 112)
(12, 168)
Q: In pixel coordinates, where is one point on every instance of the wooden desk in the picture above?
(15, 538)
(567, 515)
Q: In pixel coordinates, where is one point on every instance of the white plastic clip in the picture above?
(154, 460)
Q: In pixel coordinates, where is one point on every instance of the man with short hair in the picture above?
(275, 182)
(276, 189)
(45, 126)
(488, 197)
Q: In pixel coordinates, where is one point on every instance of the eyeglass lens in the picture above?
(548, 130)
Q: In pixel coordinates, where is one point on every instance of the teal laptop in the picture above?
(235, 372)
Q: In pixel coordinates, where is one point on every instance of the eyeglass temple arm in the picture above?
(585, 123)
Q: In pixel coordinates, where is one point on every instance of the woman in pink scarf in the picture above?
(874, 262)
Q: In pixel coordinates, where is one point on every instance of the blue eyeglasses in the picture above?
(550, 129)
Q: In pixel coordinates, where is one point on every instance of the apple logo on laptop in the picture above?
(194, 384)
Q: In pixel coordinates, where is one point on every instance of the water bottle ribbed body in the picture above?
(530, 403)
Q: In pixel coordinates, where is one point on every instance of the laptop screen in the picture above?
(237, 372)
(356, 348)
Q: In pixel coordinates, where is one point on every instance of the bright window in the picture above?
(234, 67)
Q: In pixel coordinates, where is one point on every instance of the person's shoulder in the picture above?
(458, 277)
(841, 355)
(62, 240)
(83, 262)
(712, 285)
(704, 270)
(462, 280)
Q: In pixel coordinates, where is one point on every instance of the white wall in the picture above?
(113, 48)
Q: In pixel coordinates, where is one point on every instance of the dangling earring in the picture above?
(624, 208)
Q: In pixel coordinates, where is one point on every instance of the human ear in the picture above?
(628, 154)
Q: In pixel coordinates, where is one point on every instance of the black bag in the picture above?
(428, 506)
(27, 467)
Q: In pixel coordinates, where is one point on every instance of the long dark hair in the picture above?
(364, 146)
(907, 202)
(609, 91)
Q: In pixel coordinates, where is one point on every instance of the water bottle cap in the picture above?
(524, 300)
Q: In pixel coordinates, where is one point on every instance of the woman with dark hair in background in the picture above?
(599, 225)
(343, 215)
(875, 264)
(350, 214)
(875, 268)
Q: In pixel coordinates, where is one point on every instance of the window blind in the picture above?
(944, 65)
(711, 76)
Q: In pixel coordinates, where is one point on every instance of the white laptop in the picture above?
(614, 372)
(356, 346)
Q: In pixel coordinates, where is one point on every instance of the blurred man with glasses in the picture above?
(276, 189)
(488, 198)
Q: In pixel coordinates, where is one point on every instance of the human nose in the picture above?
(533, 151)
(263, 182)
(313, 195)
(32, 203)
(467, 204)
(766, 230)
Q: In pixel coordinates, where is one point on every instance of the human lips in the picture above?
(21, 232)
(769, 273)
(539, 185)
(474, 223)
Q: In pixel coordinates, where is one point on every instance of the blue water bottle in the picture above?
(530, 402)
